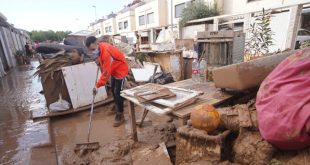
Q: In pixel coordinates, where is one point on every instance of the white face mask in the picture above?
(96, 52)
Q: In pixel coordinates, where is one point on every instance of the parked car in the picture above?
(302, 36)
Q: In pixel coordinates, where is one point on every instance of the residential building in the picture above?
(286, 18)
(81, 35)
(153, 14)
(178, 6)
(97, 27)
(285, 21)
(125, 22)
(246, 6)
(109, 26)
(91, 27)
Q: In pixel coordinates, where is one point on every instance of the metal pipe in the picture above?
(171, 15)
(95, 12)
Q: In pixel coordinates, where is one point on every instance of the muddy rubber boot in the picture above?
(119, 119)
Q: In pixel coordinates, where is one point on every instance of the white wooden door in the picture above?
(80, 80)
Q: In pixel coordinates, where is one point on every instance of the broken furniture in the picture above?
(187, 89)
(222, 47)
(75, 83)
(144, 74)
(170, 62)
(247, 75)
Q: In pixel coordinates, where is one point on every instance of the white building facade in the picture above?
(153, 14)
(109, 26)
(246, 6)
(125, 22)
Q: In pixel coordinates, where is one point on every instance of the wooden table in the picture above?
(211, 96)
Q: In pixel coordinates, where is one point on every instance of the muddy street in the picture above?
(19, 95)
(23, 141)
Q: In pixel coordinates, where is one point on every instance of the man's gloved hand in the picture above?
(95, 91)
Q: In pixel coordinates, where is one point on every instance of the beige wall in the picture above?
(177, 2)
(107, 23)
(127, 16)
(159, 8)
(243, 6)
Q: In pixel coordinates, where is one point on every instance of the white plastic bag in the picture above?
(165, 36)
(60, 105)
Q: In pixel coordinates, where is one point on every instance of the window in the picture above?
(303, 33)
(252, 0)
(179, 9)
(107, 29)
(141, 20)
(120, 25)
(150, 18)
(144, 40)
(125, 24)
(110, 28)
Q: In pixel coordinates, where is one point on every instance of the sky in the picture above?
(57, 15)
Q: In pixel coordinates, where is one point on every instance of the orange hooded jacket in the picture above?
(112, 62)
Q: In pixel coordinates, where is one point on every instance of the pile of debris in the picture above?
(145, 72)
(239, 139)
(49, 66)
(236, 140)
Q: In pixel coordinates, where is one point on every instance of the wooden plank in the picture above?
(215, 40)
(80, 80)
(216, 34)
(133, 121)
(182, 95)
(187, 43)
(160, 94)
(72, 111)
(170, 62)
(155, 109)
(211, 95)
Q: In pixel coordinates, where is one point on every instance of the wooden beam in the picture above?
(72, 111)
(132, 117)
(215, 40)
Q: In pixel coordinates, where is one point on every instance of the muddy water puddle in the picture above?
(19, 96)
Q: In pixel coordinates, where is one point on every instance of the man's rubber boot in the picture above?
(119, 119)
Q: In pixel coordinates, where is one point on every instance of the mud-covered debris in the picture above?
(298, 157)
(116, 152)
(152, 155)
(159, 133)
(238, 116)
(251, 148)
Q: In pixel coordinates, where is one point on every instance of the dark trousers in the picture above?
(117, 87)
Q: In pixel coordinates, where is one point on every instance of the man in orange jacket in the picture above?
(113, 64)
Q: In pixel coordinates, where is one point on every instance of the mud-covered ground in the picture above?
(19, 95)
(117, 146)
(23, 141)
